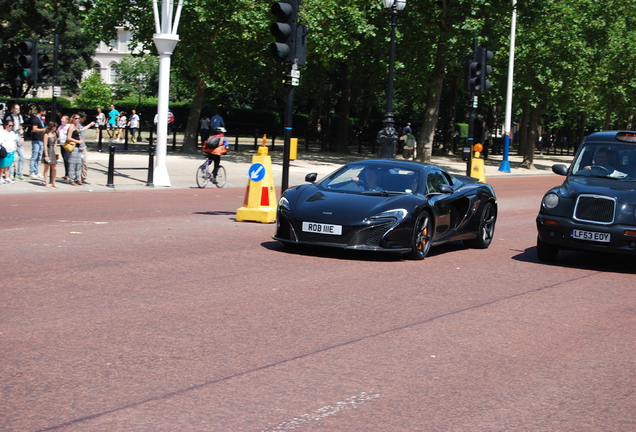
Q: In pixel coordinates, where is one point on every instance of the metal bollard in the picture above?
(111, 166)
(99, 139)
(151, 166)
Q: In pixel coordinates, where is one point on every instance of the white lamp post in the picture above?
(165, 40)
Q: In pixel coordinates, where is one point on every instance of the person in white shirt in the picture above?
(133, 125)
(8, 141)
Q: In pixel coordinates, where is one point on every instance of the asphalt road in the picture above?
(155, 310)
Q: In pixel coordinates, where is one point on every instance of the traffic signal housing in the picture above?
(473, 74)
(486, 69)
(477, 69)
(28, 60)
(284, 30)
(43, 71)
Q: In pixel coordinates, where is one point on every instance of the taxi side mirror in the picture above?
(560, 169)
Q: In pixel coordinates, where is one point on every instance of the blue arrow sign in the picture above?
(257, 172)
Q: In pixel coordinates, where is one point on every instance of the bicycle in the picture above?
(204, 175)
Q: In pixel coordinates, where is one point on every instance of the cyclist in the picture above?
(215, 147)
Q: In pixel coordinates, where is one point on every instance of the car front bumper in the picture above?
(557, 230)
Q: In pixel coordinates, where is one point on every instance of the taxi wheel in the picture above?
(546, 252)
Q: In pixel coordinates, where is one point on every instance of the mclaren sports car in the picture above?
(389, 206)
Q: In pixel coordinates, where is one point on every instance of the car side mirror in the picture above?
(311, 177)
(560, 169)
(445, 189)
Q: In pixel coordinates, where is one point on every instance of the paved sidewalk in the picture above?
(131, 171)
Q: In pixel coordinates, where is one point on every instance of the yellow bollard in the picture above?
(260, 200)
(477, 168)
(293, 148)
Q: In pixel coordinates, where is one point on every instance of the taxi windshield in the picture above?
(608, 160)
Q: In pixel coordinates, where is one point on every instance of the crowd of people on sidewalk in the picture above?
(51, 144)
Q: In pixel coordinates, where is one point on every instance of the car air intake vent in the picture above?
(594, 208)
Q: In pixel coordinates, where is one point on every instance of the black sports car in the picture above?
(388, 205)
(595, 207)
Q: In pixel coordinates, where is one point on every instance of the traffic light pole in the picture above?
(56, 44)
(289, 116)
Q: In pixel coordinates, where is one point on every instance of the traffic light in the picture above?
(28, 50)
(486, 69)
(473, 74)
(284, 30)
(42, 68)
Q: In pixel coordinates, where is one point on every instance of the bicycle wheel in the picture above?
(220, 177)
(203, 176)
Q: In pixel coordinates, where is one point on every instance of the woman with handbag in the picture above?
(62, 132)
(72, 144)
(51, 155)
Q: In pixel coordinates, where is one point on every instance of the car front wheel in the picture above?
(546, 252)
(422, 236)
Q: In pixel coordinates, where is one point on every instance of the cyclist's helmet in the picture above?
(220, 130)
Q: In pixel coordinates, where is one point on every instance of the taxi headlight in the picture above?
(550, 201)
(283, 203)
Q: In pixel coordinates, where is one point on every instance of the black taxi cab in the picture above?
(595, 207)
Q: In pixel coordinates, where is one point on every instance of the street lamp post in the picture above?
(388, 137)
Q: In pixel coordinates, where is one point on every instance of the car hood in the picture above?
(309, 203)
(623, 190)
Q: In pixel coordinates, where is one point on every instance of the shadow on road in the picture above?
(354, 255)
(603, 262)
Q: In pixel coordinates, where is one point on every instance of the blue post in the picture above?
(505, 163)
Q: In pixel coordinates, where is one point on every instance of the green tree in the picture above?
(94, 92)
(42, 19)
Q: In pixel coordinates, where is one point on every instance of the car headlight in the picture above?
(397, 214)
(283, 203)
(551, 200)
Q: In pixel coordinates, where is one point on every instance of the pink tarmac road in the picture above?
(156, 311)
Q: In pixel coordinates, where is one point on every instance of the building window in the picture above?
(113, 73)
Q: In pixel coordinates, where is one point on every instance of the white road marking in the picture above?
(326, 411)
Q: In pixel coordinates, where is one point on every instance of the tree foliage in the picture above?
(41, 20)
(573, 59)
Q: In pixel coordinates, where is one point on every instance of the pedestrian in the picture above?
(9, 143)
(170, 121)
(100, 119)
(205, 128)
(62, 132)
(37, 146)
(133, 125)
(113, 115)
(122, 124)
(51, 155)
(83, 149)
(75, 161)
(16, 118)
(409, 146)
(216, 121)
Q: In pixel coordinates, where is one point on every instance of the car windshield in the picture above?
(606, 160)
(372, 180)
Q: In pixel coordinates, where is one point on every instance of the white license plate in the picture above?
(321, 228)
(590, 235)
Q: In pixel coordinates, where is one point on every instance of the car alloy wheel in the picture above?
(422, 236)
(486, 228)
